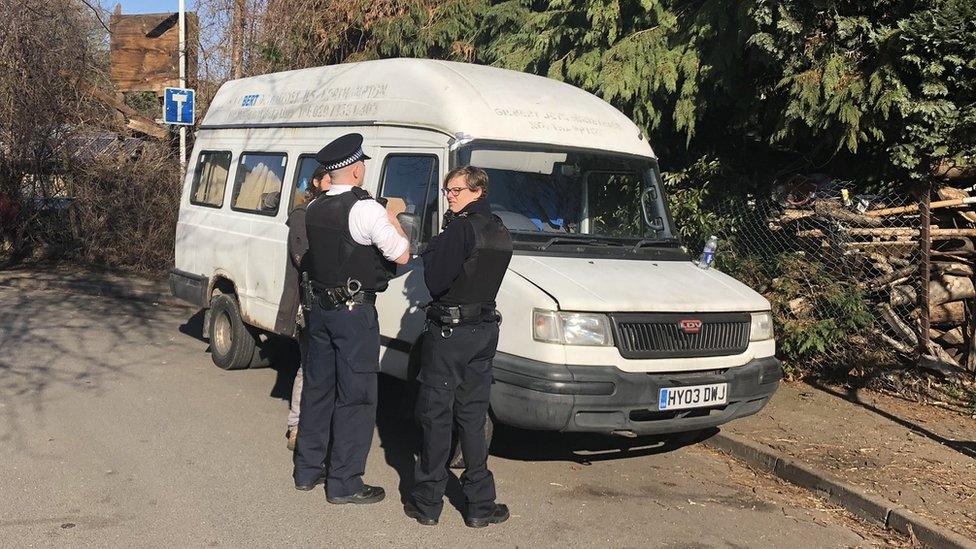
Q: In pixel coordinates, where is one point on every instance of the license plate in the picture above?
(695, 396)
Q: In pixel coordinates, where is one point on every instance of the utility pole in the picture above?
(183, 83)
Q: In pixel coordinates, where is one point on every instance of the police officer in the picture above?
(352, 245)
(464, 266)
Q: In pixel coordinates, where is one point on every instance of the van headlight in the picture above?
(762, 326)
(571, 328)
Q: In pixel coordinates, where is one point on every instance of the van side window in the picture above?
(210, 178)
(413, 181)
(303, 181)
(257, 187)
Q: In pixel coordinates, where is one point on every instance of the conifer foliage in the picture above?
(871, 91)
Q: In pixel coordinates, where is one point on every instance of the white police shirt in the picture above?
(370, 225)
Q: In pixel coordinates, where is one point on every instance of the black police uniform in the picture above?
(340, 386)
(464, 267)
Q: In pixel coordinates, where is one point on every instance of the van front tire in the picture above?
(232, 345)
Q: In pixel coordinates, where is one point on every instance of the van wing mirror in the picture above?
(410, 223)
(655, 223)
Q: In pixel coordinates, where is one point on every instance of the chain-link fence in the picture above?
(844, 272)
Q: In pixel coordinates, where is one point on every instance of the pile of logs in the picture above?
(880, 249)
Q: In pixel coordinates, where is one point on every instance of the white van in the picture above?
(608, 326)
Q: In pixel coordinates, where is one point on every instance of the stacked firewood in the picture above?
(879, 248)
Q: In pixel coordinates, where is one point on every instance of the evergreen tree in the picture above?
(739, 92)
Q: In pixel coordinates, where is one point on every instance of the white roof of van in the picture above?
(455, 98)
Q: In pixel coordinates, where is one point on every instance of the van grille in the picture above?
(662, 335)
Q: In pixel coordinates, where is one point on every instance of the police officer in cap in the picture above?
(352, 247)
(464, 266)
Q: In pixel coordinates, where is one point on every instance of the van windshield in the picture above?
(547, 194)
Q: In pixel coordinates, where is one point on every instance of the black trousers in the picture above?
(338, 397)
(455, 384)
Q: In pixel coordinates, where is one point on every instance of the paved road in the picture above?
(116, 428)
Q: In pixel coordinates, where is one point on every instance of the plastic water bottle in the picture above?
(708, 253)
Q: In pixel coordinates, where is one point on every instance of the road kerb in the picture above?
(871, 507)
(756, 455)
(117, 286)
(925, 530)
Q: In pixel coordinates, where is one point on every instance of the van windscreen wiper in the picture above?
(670, 242)
(573, 241)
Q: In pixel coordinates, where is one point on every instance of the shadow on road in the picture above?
(284, 355)
(852, 395)
(193, 326)
(585, 448)
(286, 358)
(400, 437)
(398, 434)
(53, 339)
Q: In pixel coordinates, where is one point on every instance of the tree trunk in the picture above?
(953, 337)
(836, 211)
(953, 268)
(948, 313)
(950, 288)
(237, 41)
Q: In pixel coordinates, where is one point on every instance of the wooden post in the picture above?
(969, 331)
(925, 248)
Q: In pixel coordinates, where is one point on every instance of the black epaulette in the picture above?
(362, 194)
(450, 217)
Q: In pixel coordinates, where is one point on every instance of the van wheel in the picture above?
(457, 457)
(232, 345)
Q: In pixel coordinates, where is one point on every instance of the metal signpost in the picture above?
(179, 103)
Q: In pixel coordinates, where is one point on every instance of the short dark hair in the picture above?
(474, 178)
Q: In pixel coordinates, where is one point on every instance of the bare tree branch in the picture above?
(98, 16)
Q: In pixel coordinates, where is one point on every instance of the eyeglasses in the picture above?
(453, 191)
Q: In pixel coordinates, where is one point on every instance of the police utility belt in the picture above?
(449, 316)
(347, 296)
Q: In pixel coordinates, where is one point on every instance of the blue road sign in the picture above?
(178, 106)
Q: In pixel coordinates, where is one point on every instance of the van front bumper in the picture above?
(604, 399)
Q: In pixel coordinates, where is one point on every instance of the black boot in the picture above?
(498, 516)
(369, 494)
(413, 512)
(307, 487)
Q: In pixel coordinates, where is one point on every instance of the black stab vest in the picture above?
(482, 272)
(334, 257)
